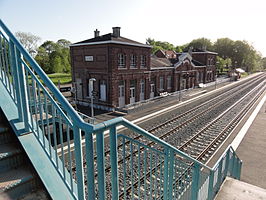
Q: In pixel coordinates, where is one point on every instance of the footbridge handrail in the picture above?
(94, 161)
(65, 104)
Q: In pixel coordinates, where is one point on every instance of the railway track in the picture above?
(195, 145)
(203, 144)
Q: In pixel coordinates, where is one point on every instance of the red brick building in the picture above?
(126, 73)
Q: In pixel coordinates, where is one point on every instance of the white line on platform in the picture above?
(247, 125)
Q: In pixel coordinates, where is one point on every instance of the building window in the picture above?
(142, 61)
(161, 83)
(142, 86)
(169, 82)
(209, 61)
(133, 61)
(121, 60)
(102, 90)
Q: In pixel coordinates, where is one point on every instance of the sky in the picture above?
(175, 21)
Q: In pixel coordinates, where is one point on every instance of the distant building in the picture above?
(126, 73)
(169, 54)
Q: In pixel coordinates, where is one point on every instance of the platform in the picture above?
(233, 189)
(249, 143)
(252, 150)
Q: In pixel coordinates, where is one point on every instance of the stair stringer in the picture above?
(50, 177)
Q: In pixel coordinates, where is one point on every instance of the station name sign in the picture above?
(88, 58)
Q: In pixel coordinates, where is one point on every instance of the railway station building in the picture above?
(126, 72)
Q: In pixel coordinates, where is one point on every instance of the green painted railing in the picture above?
(91, 166)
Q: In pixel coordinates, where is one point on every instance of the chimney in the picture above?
(116, 31)
(96, 33)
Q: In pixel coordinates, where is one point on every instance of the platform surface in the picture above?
(238, 190)
(252, 151)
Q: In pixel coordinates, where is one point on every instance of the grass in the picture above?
(64, 78)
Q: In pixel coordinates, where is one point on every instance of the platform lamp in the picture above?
(91, 81)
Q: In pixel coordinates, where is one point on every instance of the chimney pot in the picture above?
(116, 31)
(96, 33)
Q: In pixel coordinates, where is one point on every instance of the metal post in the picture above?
(215, 82)
(100, 165)
(195, 182)
(14, 65)
(165, 174)
(239, 169)
(171, 174)
(180, 81)
(114, 164)
(79, 162)
(23, 90)
(210, 189)
(75, 93)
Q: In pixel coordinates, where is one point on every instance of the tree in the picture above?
(224, 47)
(263, 63)
(200, 43)
(42, 58)
(156, 45)
(54, 57)
(29, 41)
(222, 64)
(63, 43)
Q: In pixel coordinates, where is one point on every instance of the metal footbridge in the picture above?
(43, 120)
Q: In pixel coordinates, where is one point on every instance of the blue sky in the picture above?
(175, 21)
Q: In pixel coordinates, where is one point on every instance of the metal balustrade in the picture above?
(159, 171)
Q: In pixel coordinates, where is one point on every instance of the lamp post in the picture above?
(180, 82)
(216, 81)
(91, 80)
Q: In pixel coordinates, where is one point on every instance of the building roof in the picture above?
(197, 63)
(166, 53)
(160, 62)
(110, 38)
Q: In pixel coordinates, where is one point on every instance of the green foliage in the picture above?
(156, 45)
(241, 53)
(222, 64)
(263, 63)
(200, 43)
(54, 57)
(232, 54)
(224, 47)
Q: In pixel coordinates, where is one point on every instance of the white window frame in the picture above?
(161, 83)
(103, 82)
(143, 61)
(169, 82)
(133, 61)
(142, 86)
(121, 60)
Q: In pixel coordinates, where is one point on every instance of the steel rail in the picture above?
(243, 111)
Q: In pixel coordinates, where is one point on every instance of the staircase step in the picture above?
(10, 157)
(3, 128)
(36, 195)
(16, 183)
(5, 135)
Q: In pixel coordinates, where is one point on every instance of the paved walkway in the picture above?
(250, 146)
(237, 190)
(252, 149)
